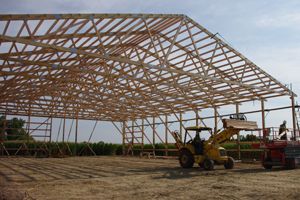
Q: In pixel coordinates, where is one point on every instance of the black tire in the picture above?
(267, 166)
(208, 164)
(186, 158)
(230, 163)
(289, 163)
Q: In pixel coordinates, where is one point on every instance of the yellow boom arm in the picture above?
(179, 142)
(222, 136)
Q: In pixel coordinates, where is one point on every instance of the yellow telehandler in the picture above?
(207, 153)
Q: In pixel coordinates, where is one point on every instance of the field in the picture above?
(117, 177)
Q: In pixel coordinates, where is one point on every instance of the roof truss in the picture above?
(120, 66)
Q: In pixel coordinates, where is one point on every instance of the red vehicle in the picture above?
(282, 150)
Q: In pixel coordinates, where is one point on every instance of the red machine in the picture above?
(282, 150)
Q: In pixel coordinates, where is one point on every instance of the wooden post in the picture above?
(166, 134)
(216, 120)
(180, 125)
(132, 138)
(238, 135)
(28, 127)
(263, 122)
(51, 123)
(263, 114)
(63, 136)
(153, 135)
(3, 131)
(197, 122)
(76, 133)
(142, 135)
(132, 133)
(123, 142)
(294, 116)
(50, 139)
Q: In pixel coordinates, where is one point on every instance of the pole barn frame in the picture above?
(121, 68)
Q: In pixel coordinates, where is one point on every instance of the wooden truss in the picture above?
(121, 67)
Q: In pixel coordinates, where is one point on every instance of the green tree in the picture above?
(248, 138)
(13, 129)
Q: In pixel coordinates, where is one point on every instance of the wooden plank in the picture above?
(239, 124)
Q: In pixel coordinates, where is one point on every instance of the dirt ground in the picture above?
(116, 177)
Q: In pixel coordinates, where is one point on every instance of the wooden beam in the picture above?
(166, 132)
(76, 135)
(107, 57)
(216, 120)
(238, 136)
(294, 117)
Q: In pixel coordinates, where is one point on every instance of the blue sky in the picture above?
(267, 32)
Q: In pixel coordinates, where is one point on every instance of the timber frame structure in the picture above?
(122, 67)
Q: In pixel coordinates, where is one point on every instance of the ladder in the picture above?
(130, 137)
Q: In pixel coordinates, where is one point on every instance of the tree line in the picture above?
(13, 129)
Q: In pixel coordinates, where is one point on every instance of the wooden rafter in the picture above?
(118, 67)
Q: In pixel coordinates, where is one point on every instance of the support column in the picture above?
(166, 135)
(51, 124)
(143, 135)
(132, 131)
(263, 114)
(197, 122)
(63, 136)
(28, 130)
(238, 135)
(294, 116)
(263, 123)
(216, 120)
(76, 133)
(153, 135)
(123, 142)
(180, 125)
(3, 132)
(28, 127)
(132, 135)
(50, 139)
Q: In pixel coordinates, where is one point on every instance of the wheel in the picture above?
(289, 163)
(186, 158)
(266, 166)
(208, 164)
(230, 163)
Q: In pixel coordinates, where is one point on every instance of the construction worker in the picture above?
(197, 138)
(196, 143)
(283, 129)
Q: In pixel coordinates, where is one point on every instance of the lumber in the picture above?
(239, 124)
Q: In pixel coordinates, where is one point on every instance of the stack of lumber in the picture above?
(239, 124)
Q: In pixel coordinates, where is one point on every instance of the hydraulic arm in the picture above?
(222, 136)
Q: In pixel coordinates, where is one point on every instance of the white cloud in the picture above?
(291, 20)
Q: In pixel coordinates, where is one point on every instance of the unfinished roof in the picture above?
(121, 66)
